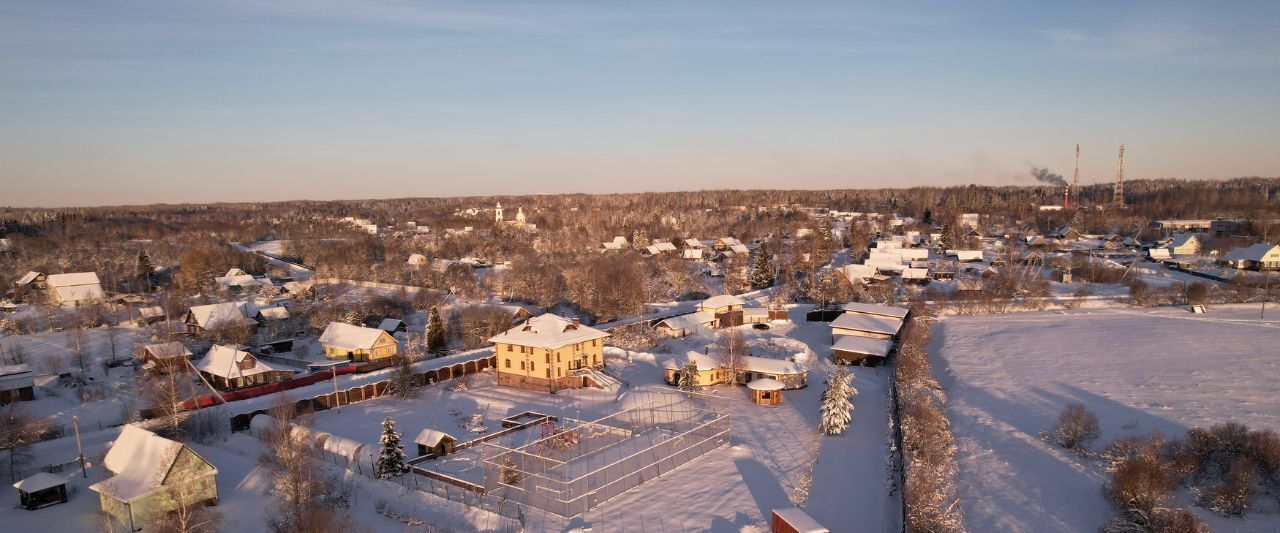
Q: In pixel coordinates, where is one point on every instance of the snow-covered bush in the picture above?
(1076, 428)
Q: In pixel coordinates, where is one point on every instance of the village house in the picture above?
(356, 343)
(618, 244)
(549, 352)
(726, 308)
(416, 261)
(684, 325)
(1184, 244)
(32, 280)
(1167, 227)
(1260, 256)
(165, 356)
(711, 371)
(17, 384)
(150, 315)
(301, 289)
(228, 368)
(75, 288)
(868, 320)
(202, 319)
(1067, 233)
(146, 470)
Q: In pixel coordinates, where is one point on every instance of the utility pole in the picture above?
(336, 400)
(1118, 193)
(1075, 181)
(75, 423)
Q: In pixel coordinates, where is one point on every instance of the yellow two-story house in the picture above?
(549, 352)
(355, 343)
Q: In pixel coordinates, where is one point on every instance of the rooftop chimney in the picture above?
(576, 322)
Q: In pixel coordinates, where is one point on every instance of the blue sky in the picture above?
(237, 100)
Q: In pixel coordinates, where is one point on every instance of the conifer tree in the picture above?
(688, 376)
(391, 459)
(145, 268)
(435, 332)
(836, 408)
(762, 271)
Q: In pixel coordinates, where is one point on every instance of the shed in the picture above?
(151, 315)
(682, 325)
(766, 391)
(866, 325)
(393, 325)
(434, 442)
(795, 520)
(41, 490)
(17, 384)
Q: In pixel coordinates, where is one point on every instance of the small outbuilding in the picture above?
(41, 490)
(683, 325)
(434, 443)
(165, 356)
(795, 520)
(17, 384)
(855, 349)
(393, 325)
(766, 391)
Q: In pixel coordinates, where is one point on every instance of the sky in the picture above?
(138, 102)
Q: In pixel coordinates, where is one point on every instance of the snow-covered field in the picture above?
(1007, 377)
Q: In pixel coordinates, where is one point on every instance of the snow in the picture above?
(349, 337)
(801, 522)
(869, 323)
(765, 384)
(140, 460)
(431, 437)
(39, 482)
(213, 316)
(863, 345)
(548, 331)
(723, 300)
(1007, 378)
(874, 309)
(225, 361)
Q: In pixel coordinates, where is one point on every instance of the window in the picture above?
(559, 372)
(548, 357)
(594, 341)
(521, 365)
(548, 372)
(508, 347)
(557, 357)
(508, 361)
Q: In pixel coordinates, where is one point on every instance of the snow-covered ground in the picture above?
(1007, 377)
(773, 450)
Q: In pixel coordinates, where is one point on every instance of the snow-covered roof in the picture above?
(915, 273)
(417, 259)
(858, 273)
(274, 313)
(154, 311)
(390, 324)
(213, 316)
(9, 370)
(28, 277)
(225, 361)
(863, 345)
(1158, 253)
(39, 482)
(688, 321)
(140, 461)
(740, 249)
(767, 365)
(692, 243)
(665, 246)
(652, 250)
(431, 437)
(705, 362)
(233, 273)
(869, 323)
(692, 253)
(1256, 252)
(243, 280)
(75, 286)
(1184, 239)
(166, 350)
(548, 331)
(969, 255)
(754, 311)
(765, 384)
(800, 521)
(876, 309)
(350, 337)
(722, 300)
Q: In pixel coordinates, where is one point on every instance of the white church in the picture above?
(519, 222)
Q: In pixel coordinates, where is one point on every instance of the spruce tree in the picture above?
(435, 332)
(145, 268)
(836, 408)
(688, 380)
(391, 458)
(762, 270)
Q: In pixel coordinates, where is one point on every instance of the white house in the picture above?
(1184, 244)
(1260, 256)
(75, 288)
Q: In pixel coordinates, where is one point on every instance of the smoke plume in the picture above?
(1043, 175)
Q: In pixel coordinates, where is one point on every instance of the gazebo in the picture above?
(41, 490)
(766, 391)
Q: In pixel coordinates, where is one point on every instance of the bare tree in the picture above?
(308, 500)
(183, 505)
(79, 352)
(18, 431)
(731, 347)
(167, 389)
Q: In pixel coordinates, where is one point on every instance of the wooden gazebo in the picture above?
(41, 490)
(766, 391)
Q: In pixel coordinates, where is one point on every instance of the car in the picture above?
(760, 326)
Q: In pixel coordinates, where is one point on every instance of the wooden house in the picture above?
(202, 319)
(683, 325)
(32, 280)
(150, 315)
(1184, 244)
(146, 470)
(1260, 256)
(165, 356)
(356, 343)
(434, 443)
(1067, 233)
(228, 369)
(17, 384)
(726, 308)
(549, 352)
